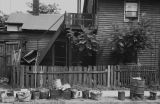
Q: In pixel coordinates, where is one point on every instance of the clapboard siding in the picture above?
(111, 12)
(37, 44)
(152, 10)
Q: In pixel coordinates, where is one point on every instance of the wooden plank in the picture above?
(98, 75)
(14, 79)
(44, 76)
(118, 72)
(32, 77)
(114, 75)
(109, 74)
(22, 77)
(74, 75)
(95, 77)
(65, 75)
(49, 77)
(73, 72)
(80, 75)
(18, 76)
(70, 75)
(85, 76)
(104, 76)
(27, 76)
(90, 77)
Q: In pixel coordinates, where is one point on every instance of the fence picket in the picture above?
(80, 75)
(91, 76)
(94, 77)
(109, 70)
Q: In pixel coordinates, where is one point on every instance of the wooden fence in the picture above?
(92, 76)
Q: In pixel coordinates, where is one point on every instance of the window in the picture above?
(131, 10)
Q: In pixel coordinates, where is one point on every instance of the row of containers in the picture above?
(137, 88)
(66, 94)
(25, 95)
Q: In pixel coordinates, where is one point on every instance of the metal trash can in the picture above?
(121, 95)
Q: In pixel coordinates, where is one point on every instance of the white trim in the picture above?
(138, 15)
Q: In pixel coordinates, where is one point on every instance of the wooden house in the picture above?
(115, 11)
(43, 32)
(28, 32)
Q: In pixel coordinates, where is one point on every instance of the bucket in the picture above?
(96, 95)
(66, 94)
(35, 94)
(44, 93)
(23, 96)
(86, 94)
(121, 95)
(55, 93)
(153, 95)
(76, 93)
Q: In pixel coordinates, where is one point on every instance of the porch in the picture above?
(79, 20)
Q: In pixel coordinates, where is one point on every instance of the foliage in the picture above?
(131, 38)
(45, 8)
(3, 18)
(84, 41)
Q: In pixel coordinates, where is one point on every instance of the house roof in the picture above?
(18, 18)
(49, 22)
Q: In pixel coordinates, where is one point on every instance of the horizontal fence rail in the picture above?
(91, 76)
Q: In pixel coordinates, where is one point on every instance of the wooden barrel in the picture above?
(140, 89)
(121, 95)
(137, 88)
(133, 85)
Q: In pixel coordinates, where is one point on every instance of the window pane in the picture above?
(131, 14)
(131, 6)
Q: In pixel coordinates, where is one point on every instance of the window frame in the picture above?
(127, 19)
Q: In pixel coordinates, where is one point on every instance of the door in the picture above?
(60, 53)
(6, 49)
(2, 60)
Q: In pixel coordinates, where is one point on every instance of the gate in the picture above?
(6, 49)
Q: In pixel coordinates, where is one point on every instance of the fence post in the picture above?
(109, 72)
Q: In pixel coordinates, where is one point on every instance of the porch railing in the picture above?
(77, 20)
(92, 76)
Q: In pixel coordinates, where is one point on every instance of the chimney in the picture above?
(78, 6)
(36, 7)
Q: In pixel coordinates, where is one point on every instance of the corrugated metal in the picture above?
(111, 12)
